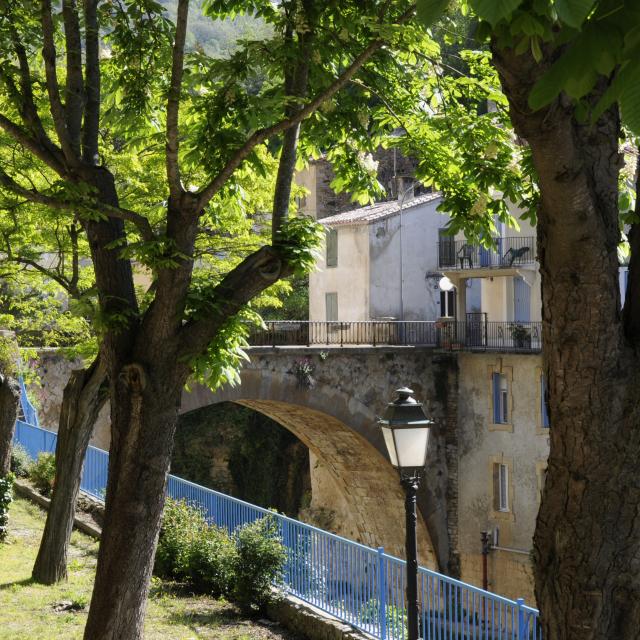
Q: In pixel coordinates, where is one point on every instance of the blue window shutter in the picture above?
(543, 399)
(497, 418)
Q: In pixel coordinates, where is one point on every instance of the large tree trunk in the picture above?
(587, 538)
(143, 424)
(84, 396)
(9, 398)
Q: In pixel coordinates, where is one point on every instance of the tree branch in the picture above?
(50, 157)
(262, 135)
(90, 129)
(119, 213)
(25, 102)
(173, 102)
(74, 89)
(253, 275)
(49, 273)
(57, 109)
(297, 88)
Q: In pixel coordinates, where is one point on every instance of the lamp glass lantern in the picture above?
(405, 429)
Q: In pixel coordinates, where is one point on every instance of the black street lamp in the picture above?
(405, 428)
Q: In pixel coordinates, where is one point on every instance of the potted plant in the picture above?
(521, 336)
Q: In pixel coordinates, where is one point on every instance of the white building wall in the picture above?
(420, 298)
(349, 279)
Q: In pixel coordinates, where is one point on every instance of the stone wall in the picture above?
(52, 371)
(244, 454)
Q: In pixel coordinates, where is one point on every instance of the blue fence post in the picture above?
(521, 623)
(382, 594)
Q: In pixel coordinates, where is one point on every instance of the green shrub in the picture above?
(43, 473)
(259, 562)
(181, 525)
(6, 497)
(212, 561)
(20, 460)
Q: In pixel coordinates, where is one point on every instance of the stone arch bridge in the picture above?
(330, 398)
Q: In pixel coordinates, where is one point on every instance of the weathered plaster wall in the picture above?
(336, 419)
(495, 299)
(349, 279)
(523, 445)
(53, 371)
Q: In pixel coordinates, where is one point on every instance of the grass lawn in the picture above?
(28, 610)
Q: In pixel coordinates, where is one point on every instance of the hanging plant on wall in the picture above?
(303, 371)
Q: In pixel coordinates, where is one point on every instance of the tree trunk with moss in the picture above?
(84, 396)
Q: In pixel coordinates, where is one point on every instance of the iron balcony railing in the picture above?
(361, 586)
(473, 334)
(506, 253)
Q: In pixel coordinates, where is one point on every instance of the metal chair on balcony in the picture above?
(514, 254)
(466, 253)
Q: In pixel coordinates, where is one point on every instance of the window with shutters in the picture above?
(331, 301)
(500, 399)
(500, 487)
(332, 247)
(500, 394)
(542, 410)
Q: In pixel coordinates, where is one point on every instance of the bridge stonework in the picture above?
(330, 399)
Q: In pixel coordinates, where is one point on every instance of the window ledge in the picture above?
(500, 426)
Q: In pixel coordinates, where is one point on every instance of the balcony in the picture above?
(473, 334)
(507, 255)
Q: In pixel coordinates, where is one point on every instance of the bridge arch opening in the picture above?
(349, 475)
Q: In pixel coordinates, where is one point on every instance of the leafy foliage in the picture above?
(9, 356)
(589, 40)
(6, 497)
(20, 460)
(210, 561)
(258, 564)
(42, 472)
(191, 551)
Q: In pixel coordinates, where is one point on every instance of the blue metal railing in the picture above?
(361, 586)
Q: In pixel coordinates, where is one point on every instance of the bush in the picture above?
(212, 561)
(43, 473)
(6, 497)
(259, 562)
(20, 461)
(181, 525)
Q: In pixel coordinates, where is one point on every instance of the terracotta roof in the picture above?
(377, 211)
